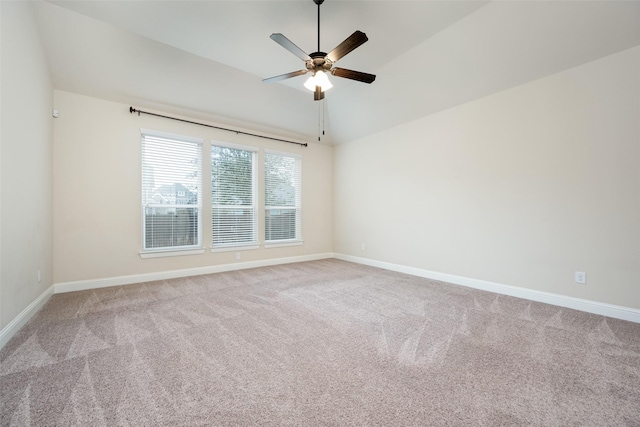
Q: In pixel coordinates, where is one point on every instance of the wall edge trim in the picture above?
(589, 306)
(82, 285)
(594, 307)
(24, 316)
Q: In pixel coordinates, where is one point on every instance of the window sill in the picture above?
(232, 248)
(275, 244)
(173, 252)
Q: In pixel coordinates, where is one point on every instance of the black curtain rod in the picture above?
(133, 110)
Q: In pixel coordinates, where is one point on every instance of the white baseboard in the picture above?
(21, 319)
(82, 285)
(609, 310)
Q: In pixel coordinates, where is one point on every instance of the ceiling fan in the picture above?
(320, 63)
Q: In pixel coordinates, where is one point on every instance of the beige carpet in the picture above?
(323, 343)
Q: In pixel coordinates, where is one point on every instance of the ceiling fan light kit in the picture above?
(319, 78)
(320, 63)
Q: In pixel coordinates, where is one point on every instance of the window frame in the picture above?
(255, 242)
(298, 239)
(165, 251)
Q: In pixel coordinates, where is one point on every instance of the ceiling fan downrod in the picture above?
(318, 2)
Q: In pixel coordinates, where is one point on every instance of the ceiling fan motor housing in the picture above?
(319, 62)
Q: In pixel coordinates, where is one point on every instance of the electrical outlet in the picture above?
(581, 277)
(237, 255)
(39, 274)
(363, 246)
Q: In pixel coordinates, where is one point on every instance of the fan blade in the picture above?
(288, 44)
(318, 94)
(351, 42)
(284, 76)
(353, 75)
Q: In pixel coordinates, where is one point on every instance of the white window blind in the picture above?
(283, 181)
(171, 186)
(233, 196)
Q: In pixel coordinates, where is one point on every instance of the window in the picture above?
(233, 196)
(282, 197)
(171, 186)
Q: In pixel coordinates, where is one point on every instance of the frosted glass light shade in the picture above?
(319, 78)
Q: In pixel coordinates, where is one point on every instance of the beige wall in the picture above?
(520, 188)
(97, 194)
(25, 172)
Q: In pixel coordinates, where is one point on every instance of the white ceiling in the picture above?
(206, 59)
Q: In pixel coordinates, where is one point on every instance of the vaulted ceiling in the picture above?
(206, 59)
